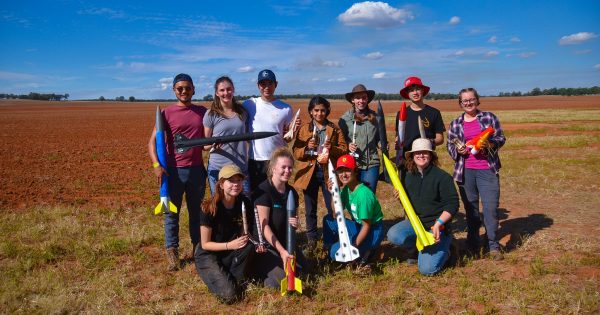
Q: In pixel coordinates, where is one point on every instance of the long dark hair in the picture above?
(216, 108)
(209, 206)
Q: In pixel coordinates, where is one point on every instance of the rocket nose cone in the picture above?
(291, 201)
(159, 120)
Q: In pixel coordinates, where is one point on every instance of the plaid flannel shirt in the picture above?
(456, 131)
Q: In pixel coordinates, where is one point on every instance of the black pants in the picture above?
(257, 171)
(268, 267)
(222, 271)
(311, 193)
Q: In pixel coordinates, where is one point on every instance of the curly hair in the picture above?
(412, 167)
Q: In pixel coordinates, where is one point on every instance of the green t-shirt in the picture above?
(362, 204)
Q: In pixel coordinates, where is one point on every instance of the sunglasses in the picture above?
(183, 88)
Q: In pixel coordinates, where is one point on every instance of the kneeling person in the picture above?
(365, 229)
(224, 250)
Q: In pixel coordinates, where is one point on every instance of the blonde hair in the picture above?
(282, 152)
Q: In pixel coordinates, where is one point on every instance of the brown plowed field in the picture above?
(94, 154)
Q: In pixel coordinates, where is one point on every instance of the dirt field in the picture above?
(88, 160)
(94, 154)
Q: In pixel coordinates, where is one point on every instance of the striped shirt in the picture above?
(456, 131)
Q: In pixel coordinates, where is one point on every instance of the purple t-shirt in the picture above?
(185, 120)
(477, 161)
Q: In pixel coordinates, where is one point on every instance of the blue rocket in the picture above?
(165, 203)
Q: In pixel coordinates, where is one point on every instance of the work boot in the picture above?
(173, 258)
(496, 255)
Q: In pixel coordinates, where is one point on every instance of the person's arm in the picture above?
(158, 170)
(364, 232)
(338, 144)
(303, 142)
(263, 216)
(439, 139)
(440, 223)
(207, 134)
(208, 244)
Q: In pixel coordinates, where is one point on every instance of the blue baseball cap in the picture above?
(182, 77)
(266, 75)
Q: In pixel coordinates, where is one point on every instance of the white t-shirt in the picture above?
(267, 116)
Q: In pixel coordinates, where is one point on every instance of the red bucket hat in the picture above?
(346, 161)
(413, 81)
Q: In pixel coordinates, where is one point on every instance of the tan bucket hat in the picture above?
(420, 144)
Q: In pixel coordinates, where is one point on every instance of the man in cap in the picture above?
(266, 113)
(186, 172)
(415, 91)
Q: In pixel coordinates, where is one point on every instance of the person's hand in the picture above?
(329, 185)
(436, 229)
(298, 123)
(312, 144)
(352, 147)
(260, 248)
(487, 145)
(238, 243)
(327, 145)
(462, 150)
(159, 171)
(322, 158)
(293, 221)
(396, 193)
(284, 257)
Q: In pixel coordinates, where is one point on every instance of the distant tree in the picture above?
(208, 98)
(536, 91)
(132, 99)
(101, 99)
(66, 96)
(120, 98)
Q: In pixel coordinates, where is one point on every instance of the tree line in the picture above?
(594, 90)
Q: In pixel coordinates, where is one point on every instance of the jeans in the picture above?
(484, 184)
(369, 177)
(331, 237)
(257, 170)
(311, 194)
(213, 177)
(432, 258)
(222, 271)
(192, 182)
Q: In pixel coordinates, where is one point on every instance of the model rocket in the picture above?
(354, 154)
(290, 283)
(476, 143)
(347, 252)
(421, 128)
(290, 134)
(183, 144)
(424, 238)
(400, 134)
(165, 203)
(382, 137)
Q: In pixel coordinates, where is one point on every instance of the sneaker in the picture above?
(496, 255)
(173, 258)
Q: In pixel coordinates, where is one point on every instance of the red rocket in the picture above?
(476, 143)
(401, 128)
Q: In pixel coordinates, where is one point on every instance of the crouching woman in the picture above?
(224, 251)
(365, 229)
(433, 195)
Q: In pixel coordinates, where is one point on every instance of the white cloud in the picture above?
(112, 14)
(454, 20)
(492, 53)
(597, 67)
(165, 83)
(515, 40)
(379, 75)
(342, 79)
(576, 38)
(245, 69)
(374, 55)
(524, 55)
(374, 14)
(333, 64)
(493, 39)
(459, 53)
(583, 52)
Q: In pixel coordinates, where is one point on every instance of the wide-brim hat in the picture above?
(413, 81)
(420, 144)
(358, 89)
(229, 171)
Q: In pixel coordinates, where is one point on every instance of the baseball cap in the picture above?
(182, 77)
(229, 171)
(266, 75)
(346, 161)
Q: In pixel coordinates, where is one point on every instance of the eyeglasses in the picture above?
(183, 88)
(469, 101)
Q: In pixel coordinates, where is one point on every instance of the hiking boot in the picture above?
(496, 255)
(173, 258)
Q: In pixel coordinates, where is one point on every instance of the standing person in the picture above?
(312, 168)
(270, 198)
(359, 126)
(224, 250)
(185, 172)
(477, 175)
(365, 229)
(266, 113)
(226, 117)
(432, 194)
(415, 92)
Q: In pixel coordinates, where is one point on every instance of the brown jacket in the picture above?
(307, 164)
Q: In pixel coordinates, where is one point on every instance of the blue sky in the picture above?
(112, 48)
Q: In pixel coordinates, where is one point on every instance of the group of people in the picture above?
(240, 231)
